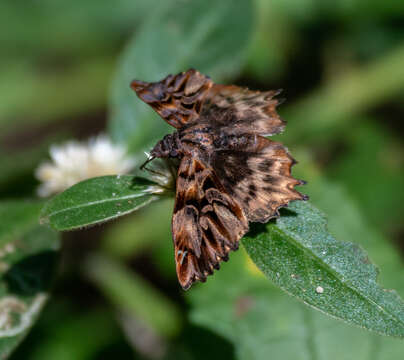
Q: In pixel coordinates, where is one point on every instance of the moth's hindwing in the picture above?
(207, 223)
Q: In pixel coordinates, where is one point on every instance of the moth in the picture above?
(229, 173)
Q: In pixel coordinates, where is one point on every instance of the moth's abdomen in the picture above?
(224, 141)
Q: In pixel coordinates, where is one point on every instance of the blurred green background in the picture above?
(65, 72)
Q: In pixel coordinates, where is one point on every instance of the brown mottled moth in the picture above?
(229, 173)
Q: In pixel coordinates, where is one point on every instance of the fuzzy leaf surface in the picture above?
(299, 255)
(98, 200)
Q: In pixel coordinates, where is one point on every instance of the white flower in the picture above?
(75, 161)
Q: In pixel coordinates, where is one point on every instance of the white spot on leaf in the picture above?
(319, 290)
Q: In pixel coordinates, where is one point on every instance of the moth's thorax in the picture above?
(215, 138)
(198, 137)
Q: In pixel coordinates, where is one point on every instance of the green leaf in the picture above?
(346, 222)
(244, 307)
(209, 35)
(27, 266)
(298, 254)
(97, 200)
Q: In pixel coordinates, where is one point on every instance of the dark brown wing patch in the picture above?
(177, 99)
(207, 223)
(259, 177)
(243, 111)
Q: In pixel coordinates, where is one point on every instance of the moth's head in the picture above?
(150, 92)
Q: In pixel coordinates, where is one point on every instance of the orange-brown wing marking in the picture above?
(207, 223)
(177, 99)
(243, 111)
(259, 177)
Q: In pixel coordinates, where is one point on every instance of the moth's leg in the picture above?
(154, 171)
(143, 167)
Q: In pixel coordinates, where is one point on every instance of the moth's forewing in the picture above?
(177, 99)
